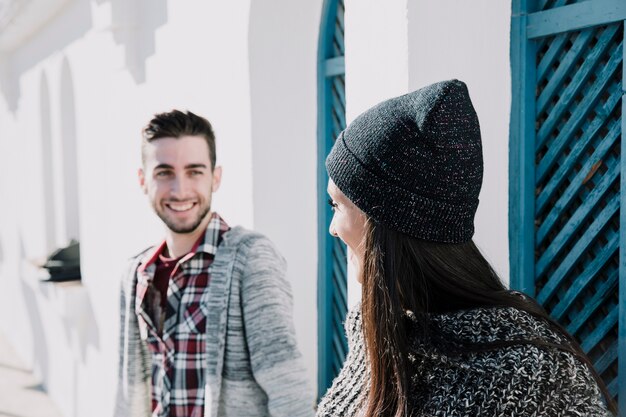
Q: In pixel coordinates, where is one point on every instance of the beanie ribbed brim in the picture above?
(412, 214)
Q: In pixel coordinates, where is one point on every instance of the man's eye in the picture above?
(162, 174)
(195, 173)
(332, 204)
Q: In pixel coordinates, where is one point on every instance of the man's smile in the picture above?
(180, 207)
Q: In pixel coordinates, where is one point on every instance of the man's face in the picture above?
(178, 178)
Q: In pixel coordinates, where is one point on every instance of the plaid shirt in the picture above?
(177, 337)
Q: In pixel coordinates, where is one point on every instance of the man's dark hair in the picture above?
(176, 124)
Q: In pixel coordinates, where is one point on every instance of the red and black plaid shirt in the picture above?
(176, 333)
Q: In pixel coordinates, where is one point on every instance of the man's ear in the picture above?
(217, 178)
(142, 180)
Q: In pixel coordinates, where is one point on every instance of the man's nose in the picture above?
(180, 185)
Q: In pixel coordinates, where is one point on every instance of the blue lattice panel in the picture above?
(578, 129)
(333, 278)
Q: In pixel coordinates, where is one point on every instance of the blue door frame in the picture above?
(567, 181)
(332, 286)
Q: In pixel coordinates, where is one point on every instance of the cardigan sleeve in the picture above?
(121, 397)
(132, 395)
(267, 307)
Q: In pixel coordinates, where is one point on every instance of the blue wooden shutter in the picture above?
(567, 182)
(332, 287)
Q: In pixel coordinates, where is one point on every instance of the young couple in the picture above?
(206, 326)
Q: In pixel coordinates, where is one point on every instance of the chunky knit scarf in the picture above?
(517, 380)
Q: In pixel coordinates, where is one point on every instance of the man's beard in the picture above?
(184, 229)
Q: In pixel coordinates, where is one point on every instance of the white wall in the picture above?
(283, 72)
(118, 63)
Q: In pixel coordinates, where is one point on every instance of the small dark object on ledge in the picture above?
(64, 264)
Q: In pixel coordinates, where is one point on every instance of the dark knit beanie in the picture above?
(414, 163)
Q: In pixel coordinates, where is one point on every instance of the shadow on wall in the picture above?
(80, 328)
(134, 24)
(69, 154)
(40, 347)
(9, 87)
(47, 171)
(71, 24)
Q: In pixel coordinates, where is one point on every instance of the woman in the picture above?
(437, 334)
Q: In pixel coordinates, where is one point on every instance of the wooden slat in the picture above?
(612, 388)
(578, 82)
(558, 3)
(585, 278)
(590, 131)
(575, 17)
(339, 348)
(540, 45)
(339, 267)
(339, 90)
(339, 17)
(576, 252)
(338, 99)
(606, 359)
(582, 211)
(522, 155)
(340, 248)
(339, 293)
(338, 122)
(338, 39)
(553, 51)
(605, 290)
(570, 59)
(340, 290)
(336, 128)
(334, 66)
(338, 356)
(338, 317)
(339, 111)
(601, 330)
(542, 4)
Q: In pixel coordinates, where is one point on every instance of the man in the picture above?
(206, 325)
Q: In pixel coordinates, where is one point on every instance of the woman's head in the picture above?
(414, 163)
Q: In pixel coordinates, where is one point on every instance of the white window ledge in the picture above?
(70, 299)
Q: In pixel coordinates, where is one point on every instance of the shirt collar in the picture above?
(207, 243)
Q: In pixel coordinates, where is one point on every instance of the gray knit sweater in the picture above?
(519, 380)
(254, 367)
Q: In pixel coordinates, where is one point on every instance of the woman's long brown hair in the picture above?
(402, 273)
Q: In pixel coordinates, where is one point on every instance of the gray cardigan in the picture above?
(254, 366)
